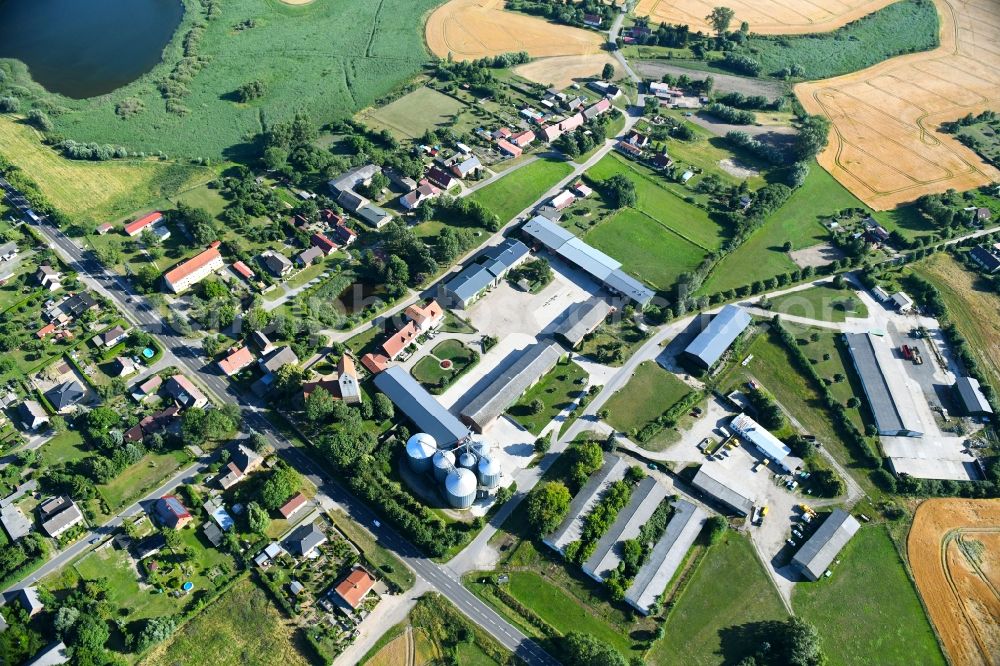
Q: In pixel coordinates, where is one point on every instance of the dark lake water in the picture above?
(85, 48)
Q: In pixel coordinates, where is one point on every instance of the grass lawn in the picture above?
(125, 592)
(152, 469)
(519, 189)
(92, 192)
(431, 620)
(413, 114)
(868, 611)
(665, 206)
(728, 590)
(67, 446)
(647, 249)
(799, 221)
(428, 370)
(650, 392)
(205, 197)
(621, 333)
(306, 274)
(561, 610)
(972, 305)
(557, 390)
(825, 303)
(219, 634)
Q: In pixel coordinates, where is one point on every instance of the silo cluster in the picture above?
(468, 471)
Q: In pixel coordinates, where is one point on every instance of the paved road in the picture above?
(330, 493)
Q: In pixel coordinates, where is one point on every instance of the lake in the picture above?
(85, 48)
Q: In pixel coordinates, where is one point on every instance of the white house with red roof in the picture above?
(425, 317)
(194, 270)
(136, 227)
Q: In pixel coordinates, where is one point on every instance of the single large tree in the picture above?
(720, 18)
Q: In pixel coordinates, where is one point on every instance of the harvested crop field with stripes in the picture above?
(954, 551)
(768, 17)
(885, 146)
(470, 29)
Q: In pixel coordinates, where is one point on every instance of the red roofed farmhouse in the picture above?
(355, 587)
(136, 227)
(395, 345)
(292, 506)
(194, 270)
(327, 246)
(425, 317)
(236, 361)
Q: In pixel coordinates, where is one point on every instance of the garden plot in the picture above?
(885, 146)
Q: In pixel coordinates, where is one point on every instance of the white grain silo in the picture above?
(489, 473)
(420, 449)
(467, 460)
(460, 488)
(444, 463)
(480, 448)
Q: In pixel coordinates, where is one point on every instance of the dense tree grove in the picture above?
(566, 13)
(580, 649)
(619, 191)
(546, 506)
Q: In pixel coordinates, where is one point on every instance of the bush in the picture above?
(731, 115)
(41, 121)
(741, 64)
(715, 528)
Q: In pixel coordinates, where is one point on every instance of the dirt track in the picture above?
(884, 145)
(954, 552)
(470, 29)
(766, 17)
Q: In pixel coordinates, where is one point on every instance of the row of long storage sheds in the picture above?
(653, 577)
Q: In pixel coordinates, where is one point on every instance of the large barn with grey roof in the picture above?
(713, 341)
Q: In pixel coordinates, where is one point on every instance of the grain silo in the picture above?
(420, 449)
(489, 473)
(467, 460)
(480, 448)
(460, 488)
(444, 463)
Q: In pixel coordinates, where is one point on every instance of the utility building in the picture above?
(710, 481)
(590, 260)
(816, 554)
(667, 555)
(713, 341)
(511, 384)
(889, 397)
(581, 319)
(769, 445)
(426, 413)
